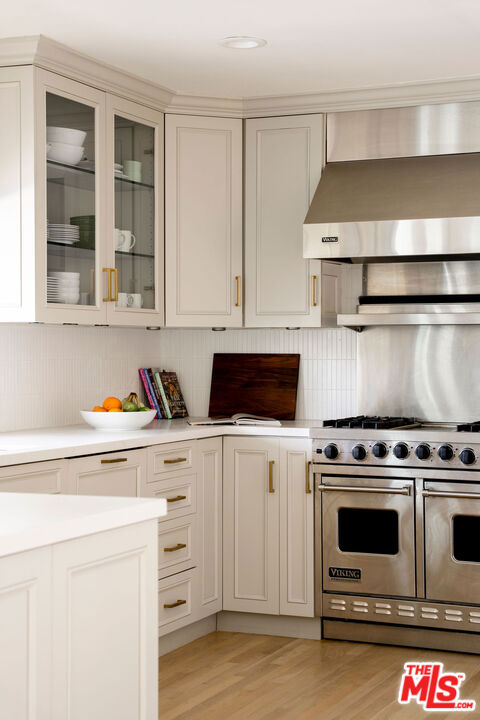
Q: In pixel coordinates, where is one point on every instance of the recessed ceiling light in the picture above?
(242, 42)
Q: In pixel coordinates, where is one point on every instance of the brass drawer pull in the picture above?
(175, 604)
(307, 479)
(113, 460)
(173, 461)
(271, 488)
(178, 546)
(177, 499)
(314, 290)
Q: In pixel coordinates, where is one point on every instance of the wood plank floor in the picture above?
(234, 676)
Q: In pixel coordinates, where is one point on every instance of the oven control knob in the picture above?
(445, 452)
(359, 452)
(423, 451)
(467, 456)
(400, 450)
(380, 450)
(331, 451)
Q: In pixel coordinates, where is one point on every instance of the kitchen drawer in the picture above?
(179, 492)
(169, 458)
(177, 546)
(111, 474)
(176, 601)
(41, 477)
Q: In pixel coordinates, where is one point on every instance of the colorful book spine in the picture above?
(155, 405)
(158, 383)
(146, 387)
(156, 395)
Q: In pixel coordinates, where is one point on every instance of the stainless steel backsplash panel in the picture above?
(422, 278)
(430, 372)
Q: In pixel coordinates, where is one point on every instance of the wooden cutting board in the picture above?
(256, 383)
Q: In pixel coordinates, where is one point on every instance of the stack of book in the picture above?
(163, 393)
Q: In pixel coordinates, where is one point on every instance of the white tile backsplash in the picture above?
(47, 373)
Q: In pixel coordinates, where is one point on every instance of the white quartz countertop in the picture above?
(29, 521)
(73, 440)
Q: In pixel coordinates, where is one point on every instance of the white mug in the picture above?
(133, 170)
(124, 240)
(130, 300)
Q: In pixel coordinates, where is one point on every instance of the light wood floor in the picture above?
(232, 676)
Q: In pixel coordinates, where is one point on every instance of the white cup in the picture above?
(124, 240)
(133, 170)
(130, 300)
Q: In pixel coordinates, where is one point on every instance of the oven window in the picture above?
(368, 531)
(465, 532)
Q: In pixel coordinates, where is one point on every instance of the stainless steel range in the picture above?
(398, 531)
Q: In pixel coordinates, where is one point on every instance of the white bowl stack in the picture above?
(63, 287)
(65, 145)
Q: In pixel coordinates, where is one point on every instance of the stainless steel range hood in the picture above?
(400, 184)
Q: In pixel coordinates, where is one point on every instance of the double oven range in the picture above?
(397, 513)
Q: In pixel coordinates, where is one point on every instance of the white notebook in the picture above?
(237, 419)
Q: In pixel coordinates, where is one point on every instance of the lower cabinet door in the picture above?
(296, 528)
(25, 636)
(177, 600)
(104, 626)
(250, 525)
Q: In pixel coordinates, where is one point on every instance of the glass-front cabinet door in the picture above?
(135, 217)
(70, 283)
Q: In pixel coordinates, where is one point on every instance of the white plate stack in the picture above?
(63, 287)
(62, 233)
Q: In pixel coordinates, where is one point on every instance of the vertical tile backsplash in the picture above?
(47, 373)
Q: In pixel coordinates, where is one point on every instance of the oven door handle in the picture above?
(353, 488)
(446, 494)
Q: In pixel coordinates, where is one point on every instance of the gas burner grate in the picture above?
(469, 427)
(370, 423)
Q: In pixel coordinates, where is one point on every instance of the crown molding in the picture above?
(51, 55)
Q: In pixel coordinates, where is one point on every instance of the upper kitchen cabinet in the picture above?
(203, 201)
(135, 217)
(283, 164)
(81, 194)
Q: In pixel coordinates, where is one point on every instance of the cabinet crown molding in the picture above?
(41, 51)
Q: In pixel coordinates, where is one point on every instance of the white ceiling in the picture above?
(312, 45)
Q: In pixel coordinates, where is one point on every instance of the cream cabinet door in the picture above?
(203, 221)
(111, 474)
(104, 610)
(209, 498)
(250, 522)
(41, 477)
(25, 636)
(296, 528)
(283, 164)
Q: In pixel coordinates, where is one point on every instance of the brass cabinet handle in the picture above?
(238, 279)
(307, 479)
(114, 272)
(271, 488)
(177, 499)
(108, 298)
(175, 604)
(174, 460)
(314, 290)
(113, 460)
(178, 546)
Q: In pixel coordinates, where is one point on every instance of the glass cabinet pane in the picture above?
(134, 237)
(71, 187)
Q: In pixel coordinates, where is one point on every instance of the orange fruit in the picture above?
(97, 408)
(112, 402)
(115, 410)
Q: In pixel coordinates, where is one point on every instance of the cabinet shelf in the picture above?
(84, 178)
(75, 251)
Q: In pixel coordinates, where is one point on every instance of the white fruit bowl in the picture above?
(118, 420)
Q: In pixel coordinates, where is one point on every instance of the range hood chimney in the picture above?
(399, 185)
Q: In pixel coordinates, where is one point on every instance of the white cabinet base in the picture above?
(296, 627)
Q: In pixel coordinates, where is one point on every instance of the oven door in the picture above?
(452, 542)
(368, 536)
